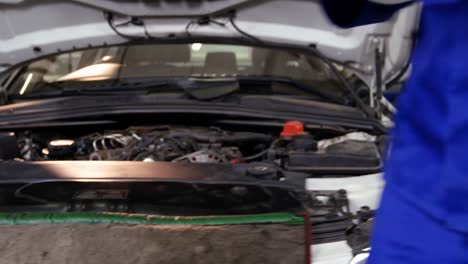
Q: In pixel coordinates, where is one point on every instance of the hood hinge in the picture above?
(6, 78)
(376, 53)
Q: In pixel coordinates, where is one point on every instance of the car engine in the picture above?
(148, 144)
(298, 151)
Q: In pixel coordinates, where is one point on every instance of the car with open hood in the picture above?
(221, 131)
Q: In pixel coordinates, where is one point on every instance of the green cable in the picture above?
(117, 218)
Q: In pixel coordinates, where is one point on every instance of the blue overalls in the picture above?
(423, 217)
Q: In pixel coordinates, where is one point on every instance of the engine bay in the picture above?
(148, 144)
(293, 149)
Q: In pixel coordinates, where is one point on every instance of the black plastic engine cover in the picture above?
(349, 156)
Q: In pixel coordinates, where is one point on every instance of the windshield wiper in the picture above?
(196, 88)
(299, 85)
(67, 88)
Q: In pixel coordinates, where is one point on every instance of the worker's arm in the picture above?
(351, 13)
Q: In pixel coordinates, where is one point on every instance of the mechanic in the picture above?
(423, 216)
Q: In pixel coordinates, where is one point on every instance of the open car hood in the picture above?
(37, 28)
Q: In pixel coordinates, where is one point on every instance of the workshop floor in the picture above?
(138, 244)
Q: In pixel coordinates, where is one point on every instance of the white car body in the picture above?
(33, 29)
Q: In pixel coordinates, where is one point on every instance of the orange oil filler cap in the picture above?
(292, 128)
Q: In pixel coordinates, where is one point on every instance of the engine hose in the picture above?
(119, 218)
(258, 155)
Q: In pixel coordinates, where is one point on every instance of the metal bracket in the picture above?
(332, 201)
(378, 87)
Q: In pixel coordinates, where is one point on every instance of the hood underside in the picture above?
(37, 28)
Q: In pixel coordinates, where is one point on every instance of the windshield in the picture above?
(169, 61)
